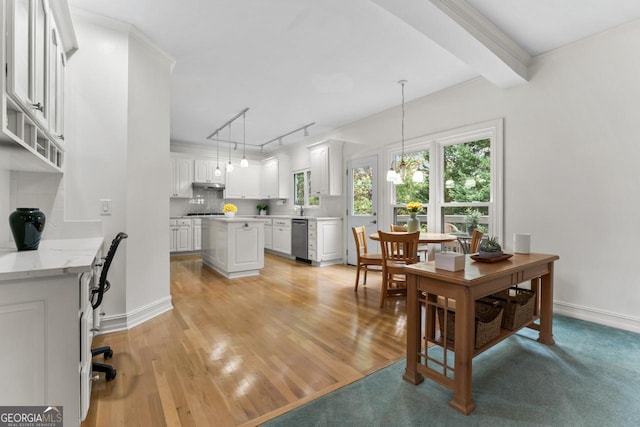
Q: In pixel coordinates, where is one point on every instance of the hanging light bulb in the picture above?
(244, 163)
(217, 172)
(229, 165)
(418, 176)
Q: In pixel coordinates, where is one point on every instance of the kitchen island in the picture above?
(234, 247)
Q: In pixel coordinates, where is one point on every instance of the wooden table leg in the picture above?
(464, 346)
(413, 331)
(546, 308)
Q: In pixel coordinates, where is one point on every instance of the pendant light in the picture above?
(229, 165)
(401, 168)
(217, 172)
(244, 163)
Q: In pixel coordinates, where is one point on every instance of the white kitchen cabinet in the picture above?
(204, 171)
(181, 235)
(33, 96)
(326, 168)
(282, 235)
(243, 183)
(233, 247)
(173, 235)
(275, 178)
(268, 232)
(181, 177)
(196, 226)
(325, 241)
(57, 64)
(46, 321)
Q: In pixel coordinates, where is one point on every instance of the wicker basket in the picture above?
(487, 322)
(518, 306)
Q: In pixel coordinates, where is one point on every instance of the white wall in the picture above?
(117, 148)
(148, 180)
(571, 152)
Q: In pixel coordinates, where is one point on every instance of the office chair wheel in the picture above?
(110, 374)
(108, 354)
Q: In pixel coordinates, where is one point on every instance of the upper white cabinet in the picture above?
(326, 168)
(274, 178)
(204, 172)
(243, 183)
(38, 36)
(181, 177)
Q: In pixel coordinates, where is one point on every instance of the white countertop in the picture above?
(52, 258)
(318, 218)
(234, 219)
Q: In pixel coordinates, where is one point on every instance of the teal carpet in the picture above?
(591, 377)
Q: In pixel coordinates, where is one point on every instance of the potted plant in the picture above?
(229, 210)
(472, 220)
(262, 208)
(490, 248)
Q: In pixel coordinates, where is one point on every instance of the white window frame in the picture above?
(305, 173)
(435, 143)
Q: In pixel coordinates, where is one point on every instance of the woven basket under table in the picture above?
(487, 322)
(518, 306)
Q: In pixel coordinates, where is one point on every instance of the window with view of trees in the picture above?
(302, 189)
(462, 182)
(362, 190)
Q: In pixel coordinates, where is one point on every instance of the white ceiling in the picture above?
(293, 62)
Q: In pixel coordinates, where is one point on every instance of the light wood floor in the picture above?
(242, 351)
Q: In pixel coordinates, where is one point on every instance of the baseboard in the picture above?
(594, 315)
(123, 322)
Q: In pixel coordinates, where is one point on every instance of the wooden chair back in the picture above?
(476, 238)
(399, 246)
(360, 236)
(398, 227)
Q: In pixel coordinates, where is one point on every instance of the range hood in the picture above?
(208, 185)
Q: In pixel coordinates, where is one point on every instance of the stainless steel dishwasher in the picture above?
(299, 236)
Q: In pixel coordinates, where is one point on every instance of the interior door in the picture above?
(362, 201)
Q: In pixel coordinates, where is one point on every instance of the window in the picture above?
(302, 189)
(408, 191)
(462, 172)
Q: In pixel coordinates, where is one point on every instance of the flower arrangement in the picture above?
(262, 207)
(229, 207)
(414, 207)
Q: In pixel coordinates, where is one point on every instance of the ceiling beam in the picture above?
(466, 34)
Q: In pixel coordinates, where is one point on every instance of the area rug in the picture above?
(590, 377)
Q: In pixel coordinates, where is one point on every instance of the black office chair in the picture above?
(96, 299)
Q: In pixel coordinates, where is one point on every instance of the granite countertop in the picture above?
(52, 258)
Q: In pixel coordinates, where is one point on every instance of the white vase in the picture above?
(229, 214)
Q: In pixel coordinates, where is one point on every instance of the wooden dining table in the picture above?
(424, 237)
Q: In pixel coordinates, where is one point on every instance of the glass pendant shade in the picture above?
(391, 175)
(244, 163)
(229, 167)
(418, 176)
(217, 172)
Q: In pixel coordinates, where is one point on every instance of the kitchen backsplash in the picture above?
(40, 190)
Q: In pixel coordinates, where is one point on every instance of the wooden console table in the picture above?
(434, 288)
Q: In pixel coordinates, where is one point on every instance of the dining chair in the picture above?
(364, 257)
(399, 249)
(424, 248)
(476, 238)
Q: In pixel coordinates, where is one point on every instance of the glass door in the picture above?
(362, 202)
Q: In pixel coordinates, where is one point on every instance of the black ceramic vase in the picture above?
(27, 225)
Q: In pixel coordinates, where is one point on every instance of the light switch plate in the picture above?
(105, 206)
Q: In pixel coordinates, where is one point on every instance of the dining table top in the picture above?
(424, 237)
